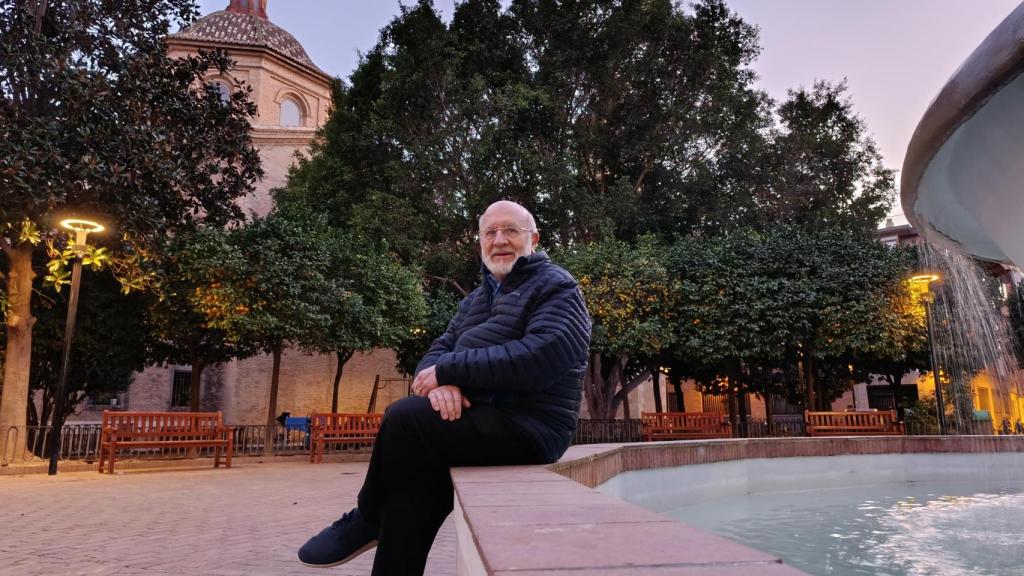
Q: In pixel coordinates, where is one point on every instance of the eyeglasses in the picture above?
(509, 232)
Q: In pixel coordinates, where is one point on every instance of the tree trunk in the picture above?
(677, 384)
(194, 379)
(812, 396)
(656, 382)
(18, 353)
(626, 418)
(730, 396)
(896, 382)
(268, 442)
(593, 386)
(768, 424)
(343, 357)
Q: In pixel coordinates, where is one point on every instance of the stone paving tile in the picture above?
(248, 520)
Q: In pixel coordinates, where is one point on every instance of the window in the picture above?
(225, 92)
(181, 389)
(291, 114)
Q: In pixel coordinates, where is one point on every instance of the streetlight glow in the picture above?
(924, 278)
(82, 225)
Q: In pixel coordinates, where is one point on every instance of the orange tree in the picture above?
(630, 298)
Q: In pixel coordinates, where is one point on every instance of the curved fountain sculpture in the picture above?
(963, 179)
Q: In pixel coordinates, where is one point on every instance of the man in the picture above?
(501, 386)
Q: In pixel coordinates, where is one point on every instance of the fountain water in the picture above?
(973, 342)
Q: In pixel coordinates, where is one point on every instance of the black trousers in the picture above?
(408, 490)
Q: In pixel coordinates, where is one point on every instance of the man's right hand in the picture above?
(424, 382)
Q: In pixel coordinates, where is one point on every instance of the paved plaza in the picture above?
(248, 520)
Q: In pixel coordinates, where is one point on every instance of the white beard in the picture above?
(499, 268)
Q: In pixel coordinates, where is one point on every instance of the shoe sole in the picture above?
(369, 545)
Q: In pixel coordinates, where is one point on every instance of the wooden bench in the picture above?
(121, 430)
(333, 428)
(684, 426)
(852, 424)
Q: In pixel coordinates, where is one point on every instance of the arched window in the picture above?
(291, 113)
(225, 92)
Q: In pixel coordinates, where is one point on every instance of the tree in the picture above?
(194, 262)
(274, 287)
(381, 307)
(824, 170)
(630, 298)
(784, 311)
(903, 344)
(95, 119)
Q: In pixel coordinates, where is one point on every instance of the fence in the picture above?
(81, 441)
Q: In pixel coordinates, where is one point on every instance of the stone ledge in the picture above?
(534, 520)
(529, 520)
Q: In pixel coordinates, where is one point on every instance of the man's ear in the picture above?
(536, 240)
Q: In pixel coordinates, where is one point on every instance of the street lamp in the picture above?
(81, 228)
(927, 279)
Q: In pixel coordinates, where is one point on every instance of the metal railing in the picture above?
(25, 443)
(595, 431)
(81, 441)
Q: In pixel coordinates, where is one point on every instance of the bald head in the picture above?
(509, 207)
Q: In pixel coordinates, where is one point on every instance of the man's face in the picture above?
(505, 235)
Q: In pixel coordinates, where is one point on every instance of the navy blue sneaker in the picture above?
(348, 537)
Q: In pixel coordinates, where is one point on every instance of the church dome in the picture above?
(244, 23)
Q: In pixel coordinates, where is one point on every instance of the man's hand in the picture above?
(448, 400)
(424, 382)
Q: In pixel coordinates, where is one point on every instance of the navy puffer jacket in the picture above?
(524, 349)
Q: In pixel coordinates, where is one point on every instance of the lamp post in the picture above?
(81, 228)
(940, 407)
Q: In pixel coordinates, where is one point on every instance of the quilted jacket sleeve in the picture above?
(554, 342)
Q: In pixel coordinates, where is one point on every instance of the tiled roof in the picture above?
(225, 27)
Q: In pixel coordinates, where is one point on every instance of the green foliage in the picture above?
(97, 120)
(825, 171)
(381, 302)
(273, 285)
(635, 134)
(753, 305)
(112, 341)
(630, 295)
(194, 265)
(440, 309)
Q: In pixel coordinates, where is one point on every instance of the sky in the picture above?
(895, 55)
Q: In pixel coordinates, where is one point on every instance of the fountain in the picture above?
(961, 188)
